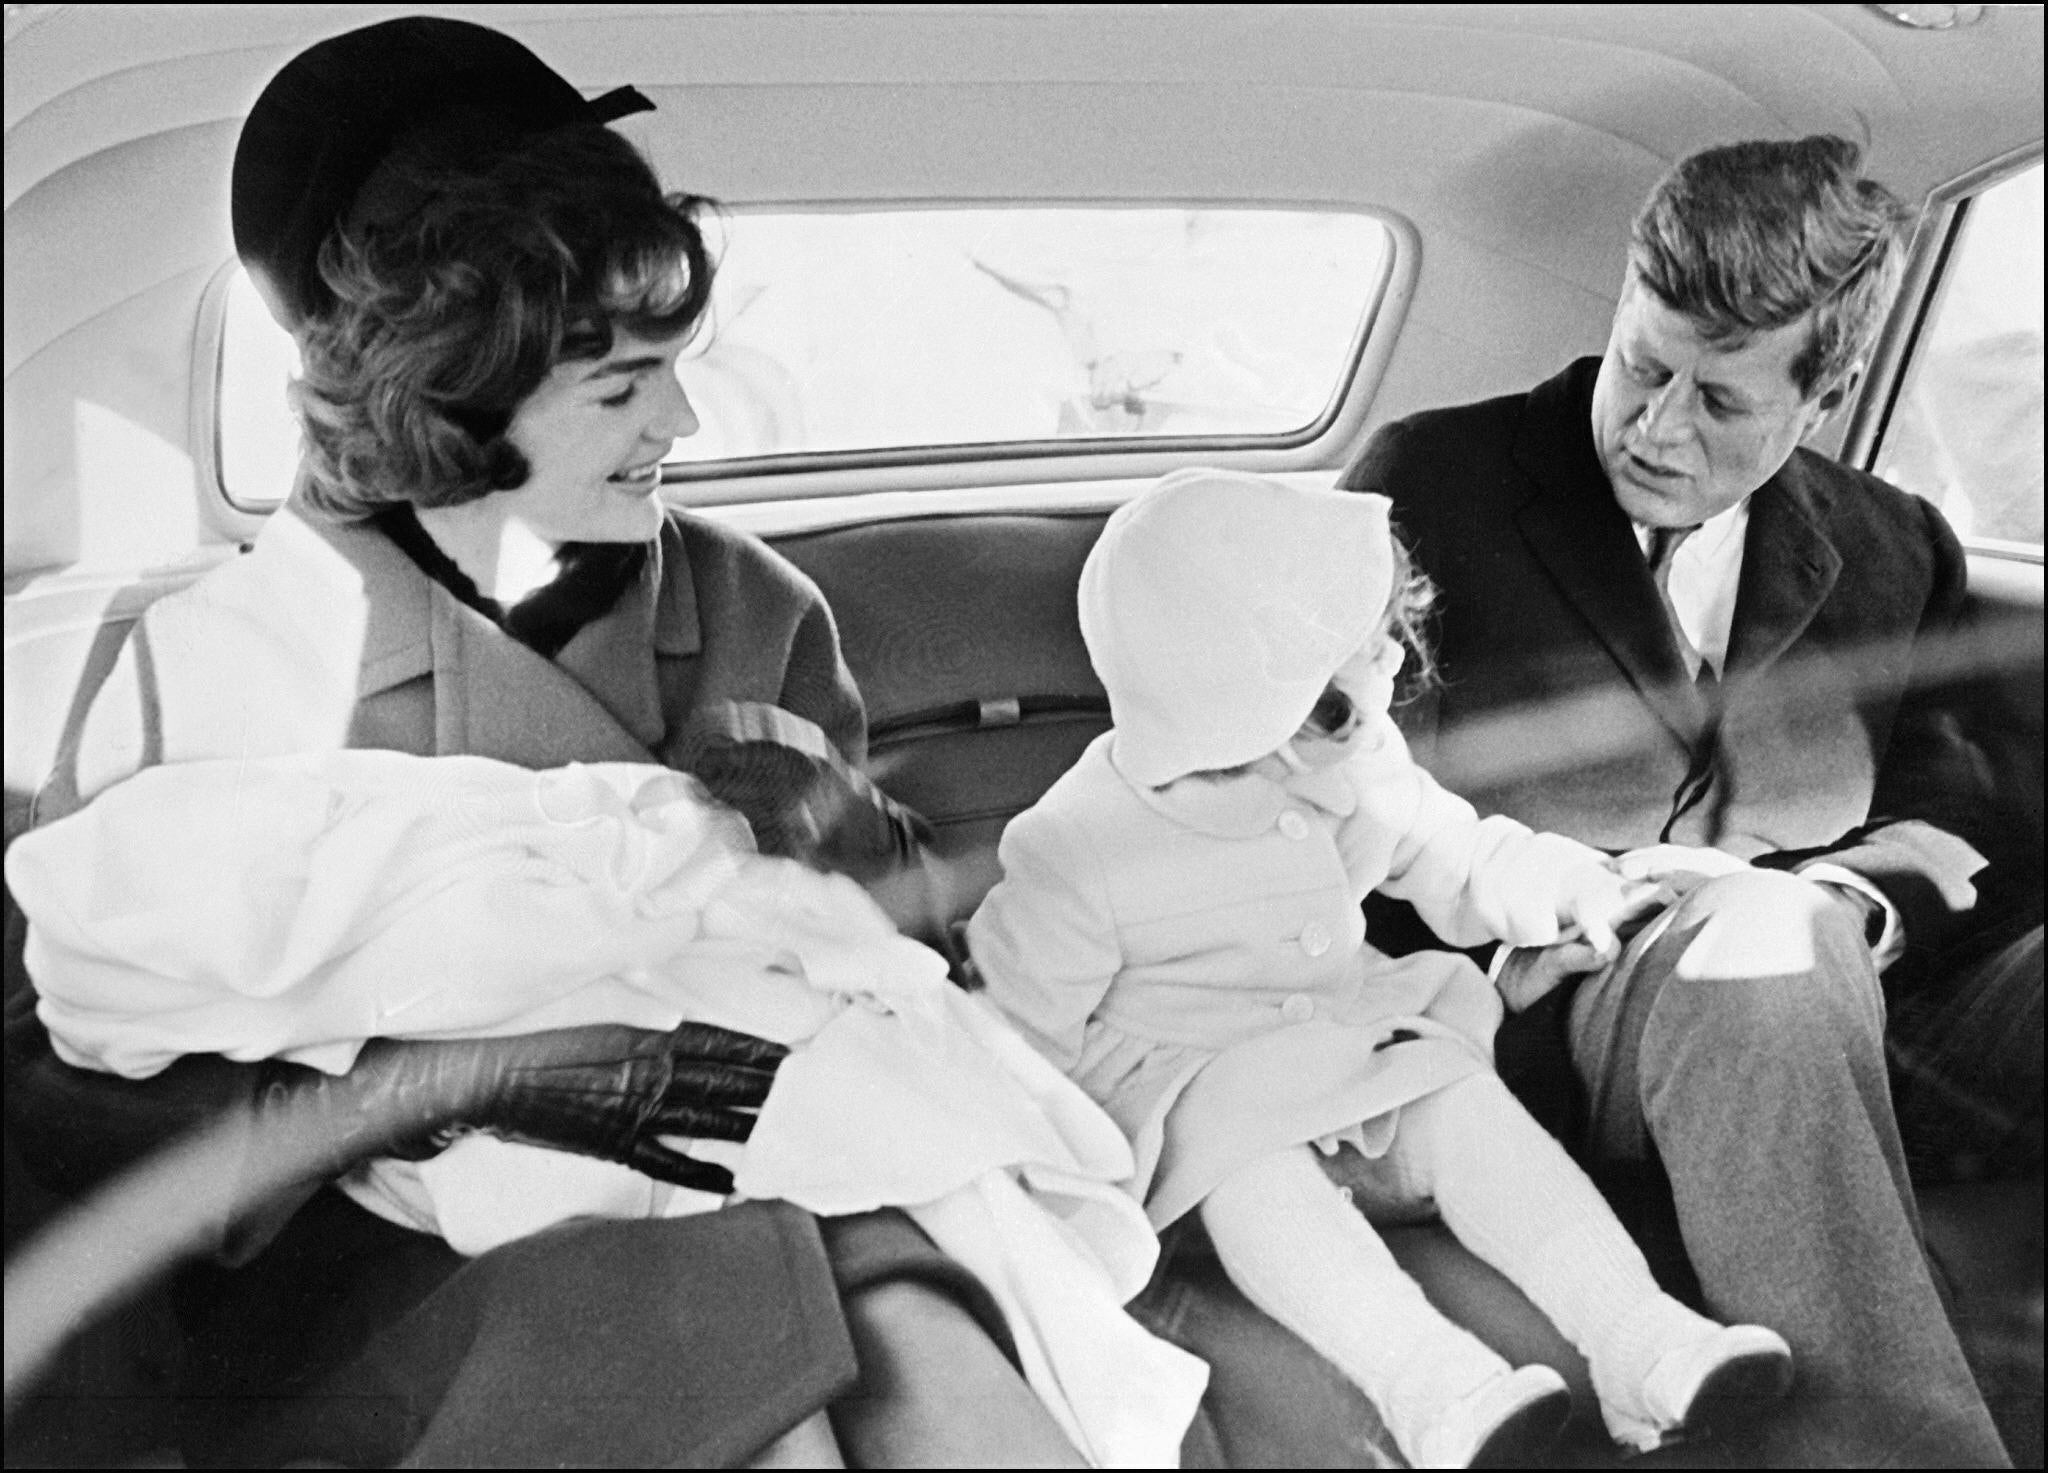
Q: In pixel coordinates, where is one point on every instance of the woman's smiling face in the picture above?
(594, 434)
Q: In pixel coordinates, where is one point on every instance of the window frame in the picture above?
(814, 473)
(1935, 238)
(209, 352)
(922, 468)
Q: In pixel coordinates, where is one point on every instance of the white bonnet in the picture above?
(1217, 605)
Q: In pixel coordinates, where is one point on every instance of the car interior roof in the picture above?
(1517, 140)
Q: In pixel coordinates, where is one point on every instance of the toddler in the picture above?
(1178, 927)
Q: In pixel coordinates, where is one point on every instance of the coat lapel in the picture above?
(1580, 535)
(612, 658)
(598, 700)
(1789, 567)
(494, 697)
(347, 572)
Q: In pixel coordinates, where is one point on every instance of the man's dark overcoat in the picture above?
(1564, 701)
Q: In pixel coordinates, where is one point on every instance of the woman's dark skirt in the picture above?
(683, 1342)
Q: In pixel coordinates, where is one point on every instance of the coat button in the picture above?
(1314, 939)
(1298, 1009)
(1293, 825)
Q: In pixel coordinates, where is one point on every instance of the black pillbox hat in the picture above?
(338, 109)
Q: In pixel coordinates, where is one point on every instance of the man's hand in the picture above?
(607, 1092)
(1684, 866)
(1685, 869)
(1868, 914)
(1532, 972)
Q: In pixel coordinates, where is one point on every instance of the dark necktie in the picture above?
(1664, 545)
(1699, 777)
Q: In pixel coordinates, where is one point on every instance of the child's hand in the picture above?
(1598, 904)
(1599, 911)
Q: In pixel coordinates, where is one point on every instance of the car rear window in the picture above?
(872, 332)
(864, 331)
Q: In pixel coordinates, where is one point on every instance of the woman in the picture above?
(490, 292)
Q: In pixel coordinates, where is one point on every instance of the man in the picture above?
(1667, 629)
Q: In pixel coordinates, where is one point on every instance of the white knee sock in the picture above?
(1511, 1194)
(1297, 1248)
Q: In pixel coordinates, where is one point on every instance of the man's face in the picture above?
(1685, 429)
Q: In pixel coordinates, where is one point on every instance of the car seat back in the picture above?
(963, 635)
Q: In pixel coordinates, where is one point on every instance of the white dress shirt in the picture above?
(1705, 573)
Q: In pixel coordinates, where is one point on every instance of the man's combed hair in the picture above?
(1753, 236)
(461, 280)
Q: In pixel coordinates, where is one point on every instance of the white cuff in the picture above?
(1888, 946)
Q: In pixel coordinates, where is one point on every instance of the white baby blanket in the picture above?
(295, 907)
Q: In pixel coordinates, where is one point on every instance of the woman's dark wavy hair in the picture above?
(465, 273)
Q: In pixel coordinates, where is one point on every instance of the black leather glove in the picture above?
(802, 799)
(608, 1092)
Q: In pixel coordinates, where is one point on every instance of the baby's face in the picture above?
(1349, 716)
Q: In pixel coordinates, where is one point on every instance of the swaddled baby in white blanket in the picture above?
(296, 907)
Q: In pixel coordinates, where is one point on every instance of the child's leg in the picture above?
(1513, 1196)
(1298, 1249)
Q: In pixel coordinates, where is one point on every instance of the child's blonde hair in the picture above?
(1407, 619)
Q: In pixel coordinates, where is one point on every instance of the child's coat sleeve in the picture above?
(1045, 939)
(1472, 879)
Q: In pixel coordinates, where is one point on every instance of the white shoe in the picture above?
(1735, 1369)
(1503, 1424)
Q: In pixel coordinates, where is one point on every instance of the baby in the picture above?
(1178, 927)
